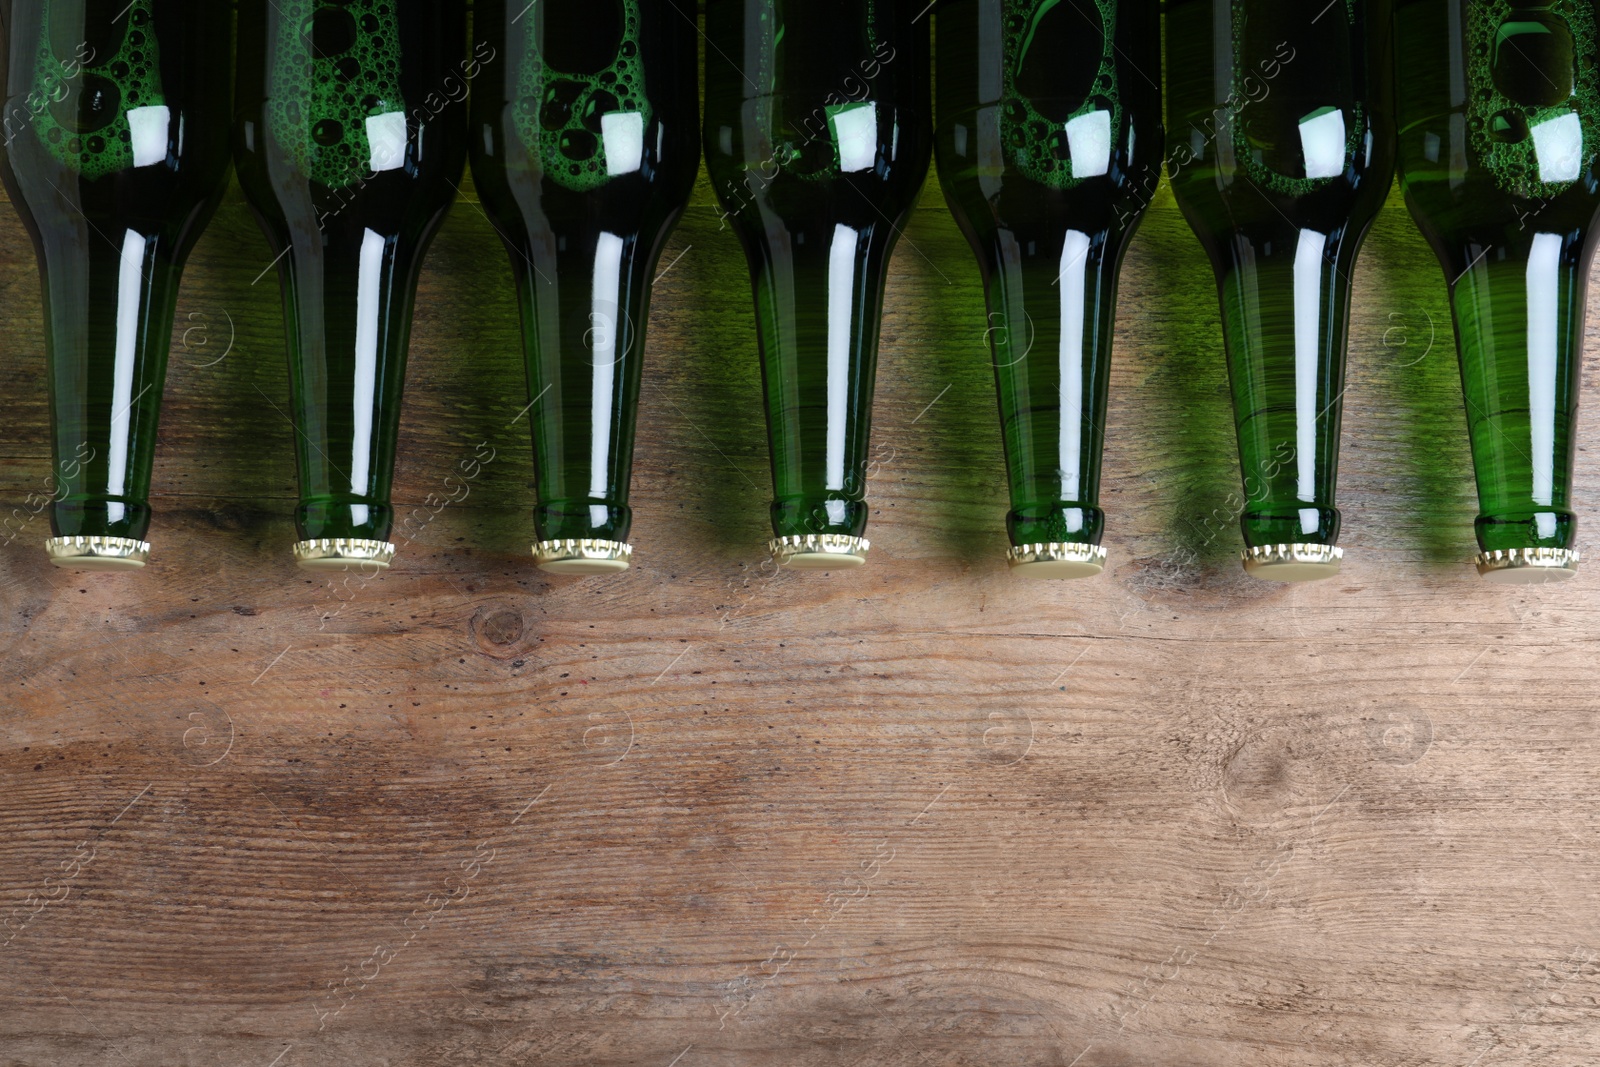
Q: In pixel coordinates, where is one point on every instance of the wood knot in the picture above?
(498, 629)
(1260, 777)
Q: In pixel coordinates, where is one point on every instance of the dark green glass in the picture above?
(115, 155)
(1281, 152)
(1499, 115)
(585, 147)
(818, 135)
(1049, 143)
(351, 140)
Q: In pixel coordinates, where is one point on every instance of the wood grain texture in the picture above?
(704, 815)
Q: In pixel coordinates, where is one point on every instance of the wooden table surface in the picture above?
(706, 814)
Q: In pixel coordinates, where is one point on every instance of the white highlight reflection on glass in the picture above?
(147, 130)
(1544, 275)
(1322, 140)
(1307, 334)
(386, 134)
(1074, 267)
(604, 293)
(130, 290)
(855, 130)
(841, 306)
(622, 137)
(1558, 145)
(1089, 140)
(369, 293)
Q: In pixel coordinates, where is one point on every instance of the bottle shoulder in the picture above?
(1340, 182)
(165, 198)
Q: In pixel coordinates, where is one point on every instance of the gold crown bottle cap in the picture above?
(819, 552)
(1528, 566)
(344, 553)
(582, 555)
(98, 553)
(1292, 563)
(1057, 559)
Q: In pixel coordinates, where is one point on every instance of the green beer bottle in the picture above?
(1049, 144)
(818, 134)
(1281, 153)
(585, 147)
(351, 139)
(1499, 115)
(115, 155)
